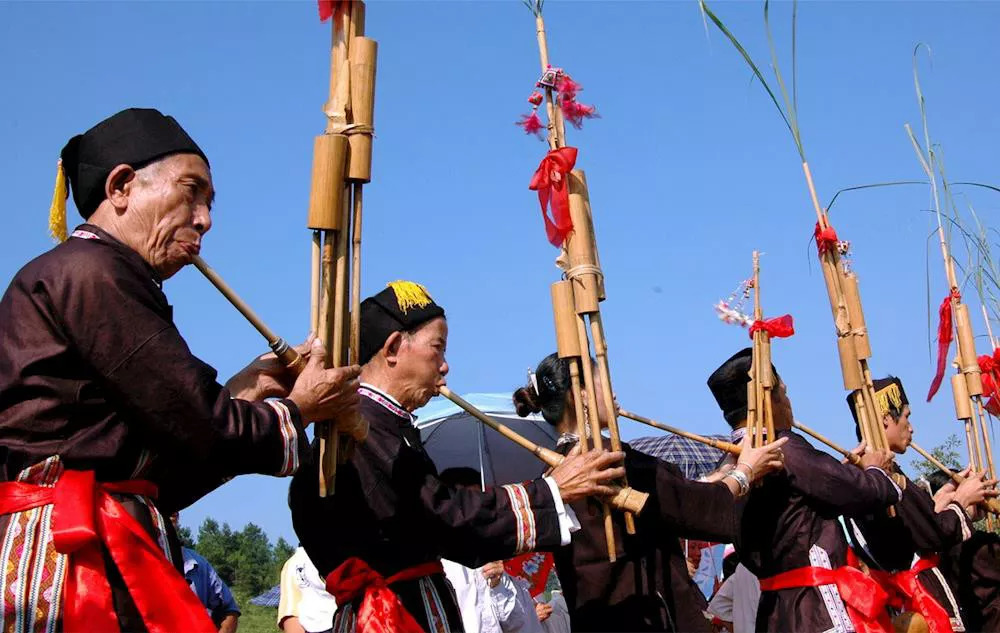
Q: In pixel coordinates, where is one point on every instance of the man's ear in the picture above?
(887, 420)
(118, 186)
(391, 347)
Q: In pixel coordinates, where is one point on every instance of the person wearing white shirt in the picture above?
(305, 605)
(736, 600)
(491, 600)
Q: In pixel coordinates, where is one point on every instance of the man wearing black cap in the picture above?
(380, 538)
(789, 535)
(108, 423)
(888, 544)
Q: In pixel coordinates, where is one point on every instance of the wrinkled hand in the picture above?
(757, 462)
(880, 459)
(493, 572)
(266, 376)
(582, 475)
(975, 489)
(543, 611)
(326, 394)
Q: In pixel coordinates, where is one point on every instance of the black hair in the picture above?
(937, 479)
(552, 377)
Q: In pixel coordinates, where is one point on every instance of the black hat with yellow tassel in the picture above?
(134, 137)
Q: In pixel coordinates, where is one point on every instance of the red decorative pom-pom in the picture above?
(575, 112)
(531, 124)
(535, 99)
(567, 87)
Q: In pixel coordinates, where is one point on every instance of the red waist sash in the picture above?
(864, 598)
(84, 517)
(380, 611)
(910, 594)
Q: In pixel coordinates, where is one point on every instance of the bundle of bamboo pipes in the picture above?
(967, 383)
(760, 414)
(575, 302)
(341, 166)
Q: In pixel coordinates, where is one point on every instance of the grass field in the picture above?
(256, 619)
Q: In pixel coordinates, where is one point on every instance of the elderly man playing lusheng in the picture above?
(108, 422)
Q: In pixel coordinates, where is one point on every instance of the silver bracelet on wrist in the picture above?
(741, 480)
(749, 467)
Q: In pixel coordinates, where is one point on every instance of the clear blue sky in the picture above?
(689, 167)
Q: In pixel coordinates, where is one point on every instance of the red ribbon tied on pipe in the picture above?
(989, 365)
(778, 327)
(826, 239)
(550, 181)
(86, 517)
(945, 335)
(380, 610)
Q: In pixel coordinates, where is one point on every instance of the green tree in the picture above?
(185, 536)
(947, 453)
(283, 550)
(219, 546)
(254, 560)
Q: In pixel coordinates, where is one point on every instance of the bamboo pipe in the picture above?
(355, 340)
(721, 445)
(315, 280)
(568, 347)
(601, 353)
(287, 354)
(624, 498)
(556, 136)
(595, 425)
(992, 504)
(851, 457)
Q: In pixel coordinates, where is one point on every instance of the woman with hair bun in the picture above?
(648, 587)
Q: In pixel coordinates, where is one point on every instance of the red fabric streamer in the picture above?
(533, 567)
(993, 406)
(778, 327)
(380, 610)
(531, 124)
(84, 517)
(332, 9)
(576, 112)
(989, 365)
(826, 239)
(945, 335)
(909, 594)
(550, 183)
(535, 98)
(864, 598)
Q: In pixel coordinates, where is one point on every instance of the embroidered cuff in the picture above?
(568, 523)
(963, 520)
(899, 493)
(289, 439)
(524, 517)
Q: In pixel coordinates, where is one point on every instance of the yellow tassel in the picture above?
(888, 396)
(57, 211)
(410, 295)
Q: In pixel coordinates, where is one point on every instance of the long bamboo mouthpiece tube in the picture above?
(992, 504)
(625, 498)
(286, 353)
(851, 457)
(722, 445)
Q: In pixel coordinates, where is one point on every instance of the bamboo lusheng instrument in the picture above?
(993, 505)
(853, 344)
(967, 383)
(722, 445)
(587, 289)
(285, 353)
(627, 499)
(342, 164)
(760, 413)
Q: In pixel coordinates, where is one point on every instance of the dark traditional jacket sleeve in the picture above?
(120, 323)
(695, 509)
(931, 531)
(840, 487)
(465, 525)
